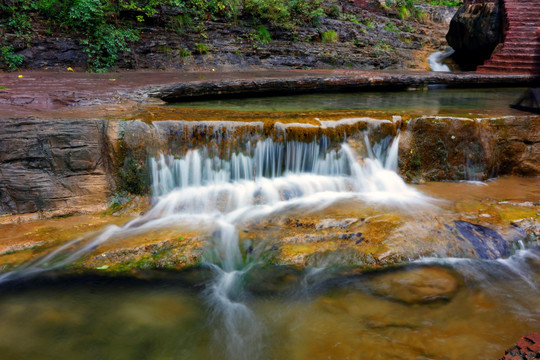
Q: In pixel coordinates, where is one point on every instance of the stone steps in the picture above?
(494, 69)
(520, 53)
(516, 57)
(511, 63)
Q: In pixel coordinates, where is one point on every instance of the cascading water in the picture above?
(220, 190)
(267, 177)
(435, 60)
(262, 178)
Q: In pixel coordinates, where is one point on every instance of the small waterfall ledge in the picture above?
(234, 188)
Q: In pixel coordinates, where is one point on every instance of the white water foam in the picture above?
(435, 60)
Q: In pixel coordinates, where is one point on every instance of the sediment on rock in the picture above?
(447, 148)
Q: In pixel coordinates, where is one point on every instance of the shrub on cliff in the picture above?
(283, 12)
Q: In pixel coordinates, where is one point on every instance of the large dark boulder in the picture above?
(475, 30)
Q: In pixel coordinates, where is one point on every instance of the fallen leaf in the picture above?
(69, 69)
(104, 267)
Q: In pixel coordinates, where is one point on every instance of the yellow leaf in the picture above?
(69, 69)
(20, 76)
(112, 79)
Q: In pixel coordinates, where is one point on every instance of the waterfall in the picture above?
(435, 60)
(266, 177)
(263, 178)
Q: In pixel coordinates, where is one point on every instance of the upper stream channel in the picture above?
(312, 247)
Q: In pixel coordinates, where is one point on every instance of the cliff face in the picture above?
(368, 37)
(50, 165)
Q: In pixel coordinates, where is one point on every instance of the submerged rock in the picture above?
(421, 285)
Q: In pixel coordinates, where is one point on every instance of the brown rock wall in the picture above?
(52, 164)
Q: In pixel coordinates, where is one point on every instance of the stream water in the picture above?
(237, 306)
(428, 102)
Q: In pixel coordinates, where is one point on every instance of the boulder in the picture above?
(413, 286)
(475, 30)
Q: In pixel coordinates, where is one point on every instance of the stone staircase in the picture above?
(520, 51)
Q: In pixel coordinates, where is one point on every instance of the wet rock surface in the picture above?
(346, 234)
(74, 164)
(346, 80)
(487, 243)
(436, 148)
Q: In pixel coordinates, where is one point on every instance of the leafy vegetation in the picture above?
(263, 35)
(8, 59)
(329, 36)
(107, 29)
(445, 2)
(201, 48)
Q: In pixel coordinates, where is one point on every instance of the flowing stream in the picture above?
(436, 59)
(262, 178)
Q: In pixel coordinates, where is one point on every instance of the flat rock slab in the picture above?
(336, 80)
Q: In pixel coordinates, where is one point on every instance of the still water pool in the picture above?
(428, 102)
(317, 314)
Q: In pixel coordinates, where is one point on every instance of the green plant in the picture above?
(262, 35)
(407, 28)
(382, 45)
(391, 27)
(20, 23)
(283, 12)
(334, 11)
(446, 2)
(8, 59)
(201, 48)
(103, 41)
(181, 23)
(350, 18)
(329, 36)
(184, 53)
(369, 23)
(103, 45)
(132, 178)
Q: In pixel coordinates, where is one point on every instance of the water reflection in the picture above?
(431, 102)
